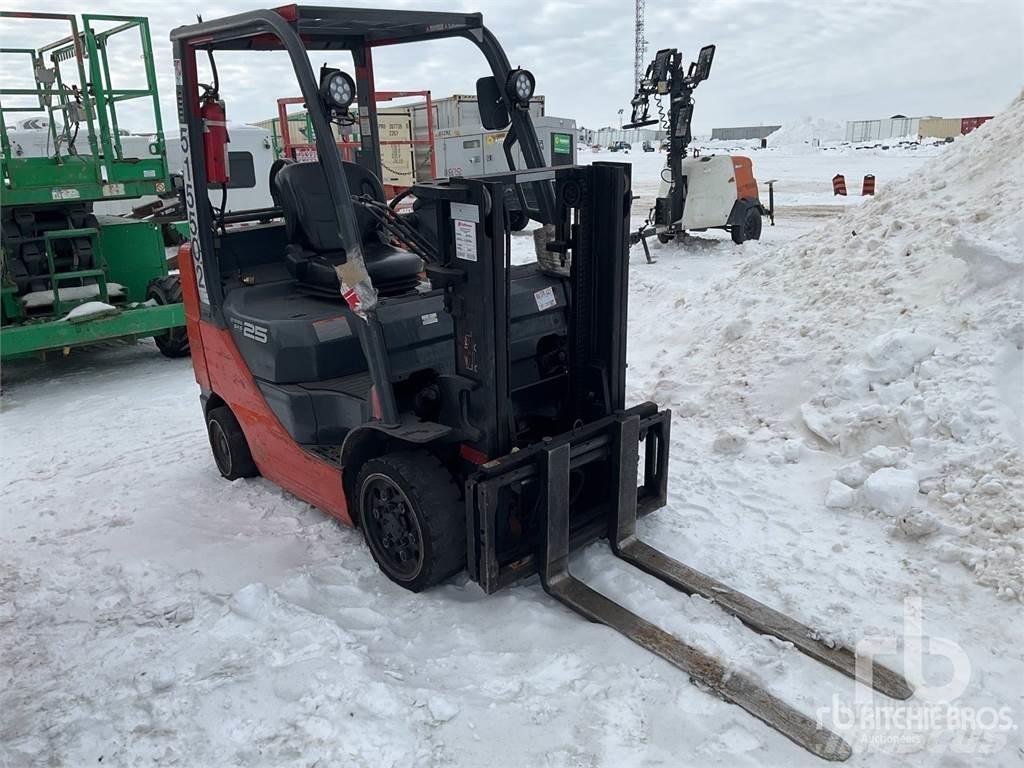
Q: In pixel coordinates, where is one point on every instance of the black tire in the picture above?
(518, 220)
(411, 514)
(665, 239)
(749, 228)
(229, 446)
(174, 341)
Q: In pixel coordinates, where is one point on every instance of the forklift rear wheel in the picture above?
(411, 514)
(749, 229)
(230, 448)
(174, 341)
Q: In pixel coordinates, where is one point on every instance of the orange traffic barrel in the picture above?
(869, 185)
(839, 185)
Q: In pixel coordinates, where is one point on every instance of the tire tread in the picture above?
(173, 342)
(434, 492)
(242, 464)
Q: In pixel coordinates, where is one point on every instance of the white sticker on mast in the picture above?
(465, 240)
(465, 212)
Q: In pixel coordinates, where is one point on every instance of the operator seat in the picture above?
(315, 246)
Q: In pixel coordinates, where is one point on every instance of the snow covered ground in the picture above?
(152, 613)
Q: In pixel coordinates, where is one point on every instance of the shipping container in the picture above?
(940, 127)
(968, 124)
(396, 160)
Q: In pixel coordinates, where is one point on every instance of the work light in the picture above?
(519, 86)
(336, 88)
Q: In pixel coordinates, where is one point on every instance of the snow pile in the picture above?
(893, 340)
(35, 299)
(90, 310)
(804, 131)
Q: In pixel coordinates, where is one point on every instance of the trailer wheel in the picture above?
(230, 448)
(411, 514)
(749, 228)
(174, 341)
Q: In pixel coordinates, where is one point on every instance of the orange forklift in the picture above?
(399, 372)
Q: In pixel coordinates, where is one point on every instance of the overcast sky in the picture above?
(777, 60)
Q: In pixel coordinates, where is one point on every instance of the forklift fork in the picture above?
(728, 684)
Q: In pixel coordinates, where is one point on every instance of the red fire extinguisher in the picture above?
(215, 138)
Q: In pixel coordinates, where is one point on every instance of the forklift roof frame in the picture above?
(297, 29)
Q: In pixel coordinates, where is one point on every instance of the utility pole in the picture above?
(640, 45)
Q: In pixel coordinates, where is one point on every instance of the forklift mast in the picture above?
(596, 439)
(590, 231)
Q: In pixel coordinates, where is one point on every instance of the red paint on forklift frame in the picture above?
(288, 12)
(471, 454)
(221, 369)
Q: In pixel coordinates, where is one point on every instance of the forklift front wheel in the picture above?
(230, 448)
(749, 228)
(411, 514)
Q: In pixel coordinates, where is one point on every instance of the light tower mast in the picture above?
(640, 45)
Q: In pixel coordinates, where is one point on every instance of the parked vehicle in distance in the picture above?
(648, 146)
(623, 146)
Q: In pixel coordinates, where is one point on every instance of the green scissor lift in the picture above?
(57, 254)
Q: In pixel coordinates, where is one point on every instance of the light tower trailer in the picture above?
(696, 193)
(57, 254)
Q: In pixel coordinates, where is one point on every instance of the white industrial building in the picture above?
(742, 133)
(899, 127)
(895, 127)
(608, 136)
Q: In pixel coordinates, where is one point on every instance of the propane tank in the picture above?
(549, 262)
(215, 138)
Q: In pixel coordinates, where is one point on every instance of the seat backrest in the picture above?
(301, 190)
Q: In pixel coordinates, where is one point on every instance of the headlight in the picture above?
(337, 89)
(519, 86)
